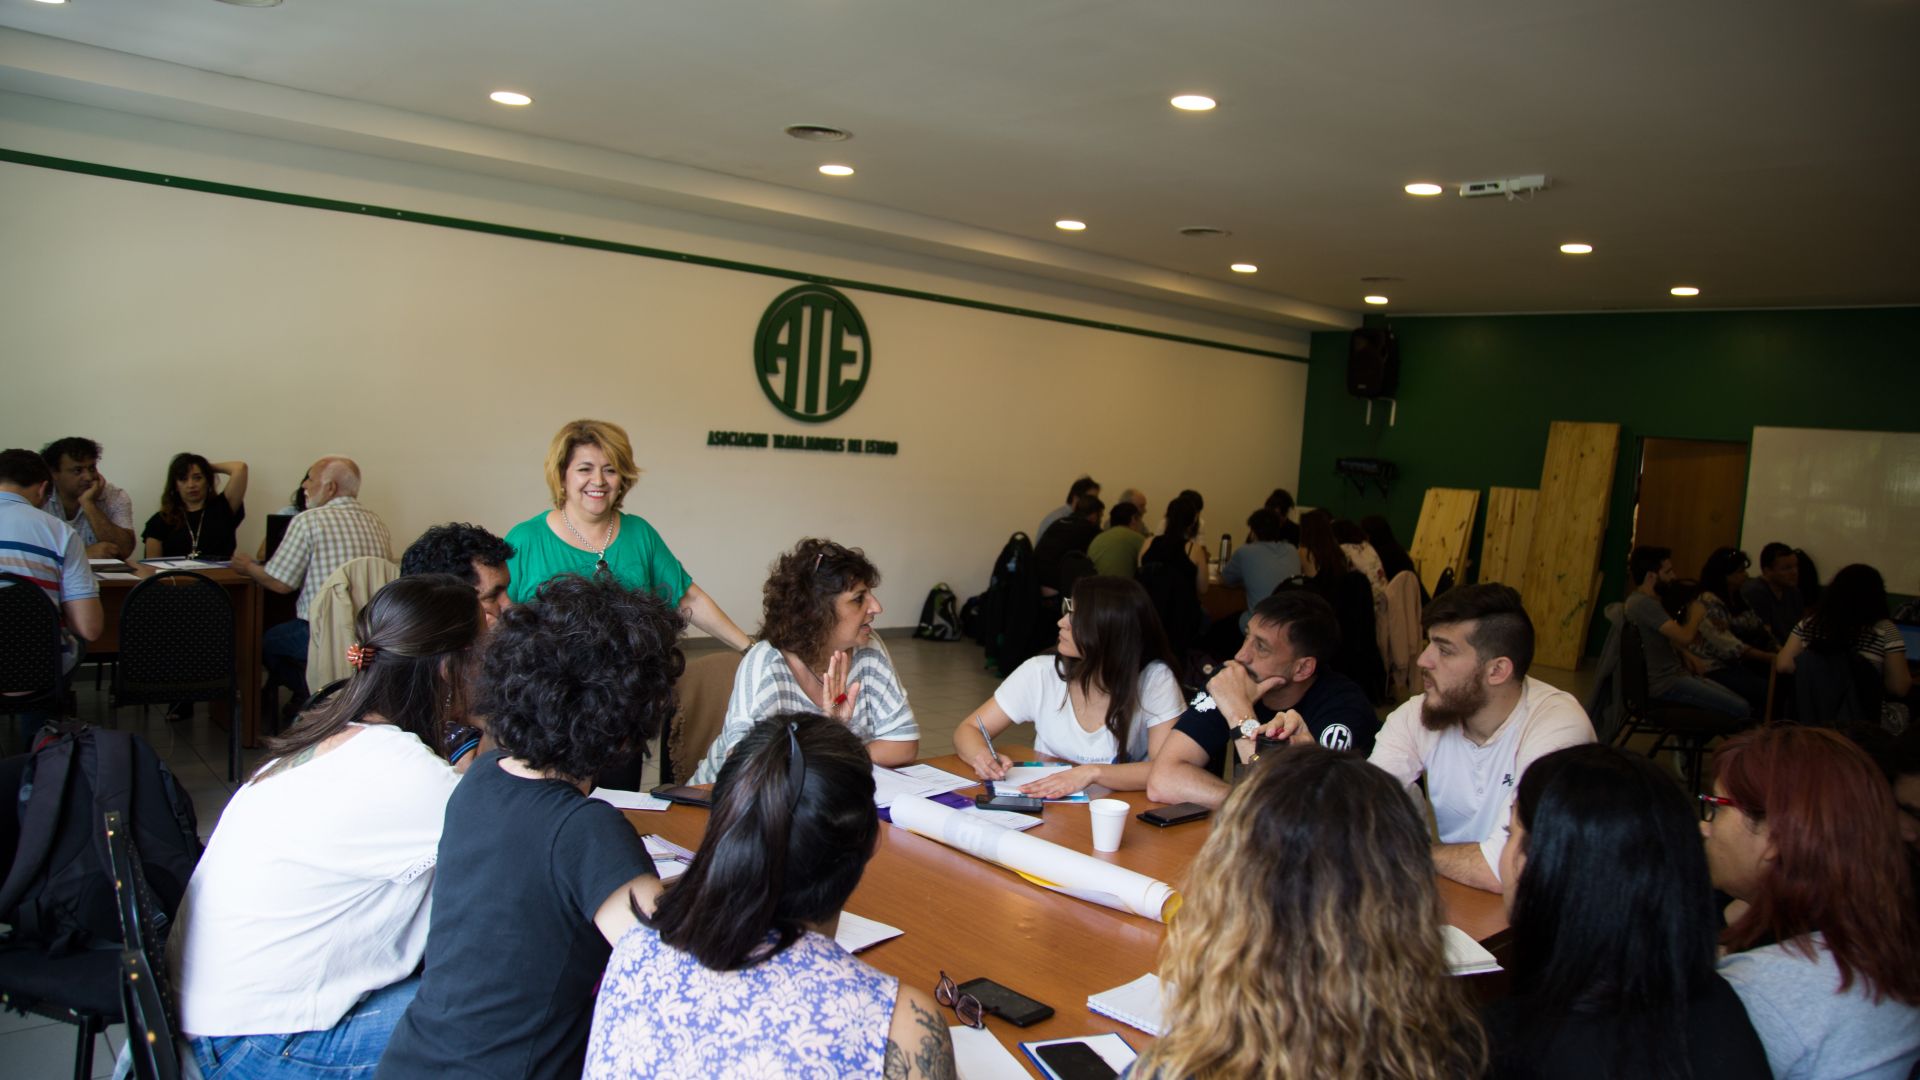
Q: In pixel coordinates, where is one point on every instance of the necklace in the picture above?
(193, 533)
(600, 555)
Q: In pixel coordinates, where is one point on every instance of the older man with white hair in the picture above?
(333, 530)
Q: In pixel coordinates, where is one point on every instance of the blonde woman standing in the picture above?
(590, 470)
(1310, 943)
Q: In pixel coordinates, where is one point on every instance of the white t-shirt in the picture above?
(1036, 694)
(314, 889)
(1471, 787)
(1813, 1031)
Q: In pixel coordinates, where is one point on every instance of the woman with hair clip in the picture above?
(818, 653)
(1613, 931)
(297, 946)
(194, 520)
(1104, 702)
(1310, 942)
(1823, 947)
(536, 880)
(747, 933)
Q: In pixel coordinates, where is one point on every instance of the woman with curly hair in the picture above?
(1823, 947)
(298, 942)
(1310, 942)
(750, 927)
(1105, 701)
(590, 471)
(535, 880)
(818, 653)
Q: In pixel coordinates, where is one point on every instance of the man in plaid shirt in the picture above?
(333, 530)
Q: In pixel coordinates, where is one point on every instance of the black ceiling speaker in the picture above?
(1373, 363)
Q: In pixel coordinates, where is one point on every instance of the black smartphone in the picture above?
(1016, 1009)
(684, 795)
(1164, 816)
(1074, 1061)
(1025, 804)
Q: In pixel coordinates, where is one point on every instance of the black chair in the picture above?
(32, 677)
(1680, 727)
(146, 996)
(176, 646)
(1837, 688)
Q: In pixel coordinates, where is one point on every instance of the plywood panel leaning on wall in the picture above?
(1440, 538)
(1509, 534)
(1576, 483)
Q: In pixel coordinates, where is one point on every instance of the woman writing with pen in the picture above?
(1104, 703)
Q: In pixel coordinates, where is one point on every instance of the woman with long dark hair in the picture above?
(1823, 944)
(1328, 572)
(1173, 570)
(1613, 931)
(299, 941)
(818, 653)
(1310, 943)
(748, 930)
(1853, 618)
(1394, 559)
(195, 521)
(1104, 702)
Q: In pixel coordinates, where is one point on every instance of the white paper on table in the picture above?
(184, 564)
(1466, 956)
(1027, 774)
(1006, 819)
(118, 577)
(923, 780)
(1040, 861)
(857, 932)
(978, 1055)
(935, 781)
(628, 800)
(670, 860)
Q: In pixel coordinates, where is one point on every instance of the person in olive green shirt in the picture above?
(1115, 551)
(590, 469)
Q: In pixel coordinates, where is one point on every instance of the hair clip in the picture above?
(359, 656)
(816, 561)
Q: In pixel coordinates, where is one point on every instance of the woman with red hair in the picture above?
(1823, 945)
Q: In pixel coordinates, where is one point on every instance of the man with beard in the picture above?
(1477, 727)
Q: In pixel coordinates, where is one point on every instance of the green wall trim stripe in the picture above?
(138, 176)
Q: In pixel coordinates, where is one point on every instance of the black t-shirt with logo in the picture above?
(1335, 708)
(215, 524)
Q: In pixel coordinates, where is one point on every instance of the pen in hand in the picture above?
(993, 756)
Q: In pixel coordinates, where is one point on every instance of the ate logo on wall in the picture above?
(812, 353)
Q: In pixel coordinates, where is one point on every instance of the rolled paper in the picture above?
(1042, 862)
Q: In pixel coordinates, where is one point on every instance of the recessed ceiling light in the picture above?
(1204, 232)
(837, 170)
(235, 3)
(1424, 189)
(1576, 249)
(1376, 300)
(1070, 225)
(53, 1)
(818, 133)
(1193, 102)
(1684, 290)
(510, 97)
(1244, 268)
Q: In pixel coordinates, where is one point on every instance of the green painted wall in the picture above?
(1477, 393)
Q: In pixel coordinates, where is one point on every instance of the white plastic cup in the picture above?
(1109, 821)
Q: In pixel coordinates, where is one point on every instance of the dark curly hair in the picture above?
(801, 589)
(453, 549)
(581, 676)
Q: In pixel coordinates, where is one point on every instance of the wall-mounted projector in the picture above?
(1511, 187)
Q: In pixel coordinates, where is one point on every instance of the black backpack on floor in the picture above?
(938, 620)
(59, 891)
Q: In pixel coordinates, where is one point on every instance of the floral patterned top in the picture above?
(813, 1012)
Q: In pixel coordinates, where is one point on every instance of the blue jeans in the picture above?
(283, 652)
(349, 1050)
(1698, 693)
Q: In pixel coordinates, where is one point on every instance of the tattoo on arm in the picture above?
(934, 1059)
(895, 1067)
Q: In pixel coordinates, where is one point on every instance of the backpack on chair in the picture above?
(938, 620)
(59, 891)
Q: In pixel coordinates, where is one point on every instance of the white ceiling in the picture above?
(1765, 150)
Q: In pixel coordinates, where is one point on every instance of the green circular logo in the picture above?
(812, 353)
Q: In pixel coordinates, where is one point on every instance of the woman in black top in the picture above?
(1613, 931)
(1328, 573)
(194, 521)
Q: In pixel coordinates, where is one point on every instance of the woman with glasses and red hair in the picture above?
(1823, 945)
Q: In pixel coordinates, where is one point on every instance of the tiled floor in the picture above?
(33, 1047)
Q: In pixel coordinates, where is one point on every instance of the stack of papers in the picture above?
(184, 563)
(1026, 772)
(628, 800)
(1006, 819)
(1137, 1004)
(670, 860)
(922, 780)
(1466, 956)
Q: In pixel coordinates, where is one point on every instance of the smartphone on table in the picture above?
(1016, 1009)
(1164, 816)
(1024, 804)
(1074, 1061)
(684, 795)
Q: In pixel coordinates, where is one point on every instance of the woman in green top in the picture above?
(590, 469)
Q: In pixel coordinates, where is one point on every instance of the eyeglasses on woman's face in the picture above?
(1711, 804)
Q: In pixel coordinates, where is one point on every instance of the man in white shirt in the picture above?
(1477, 727)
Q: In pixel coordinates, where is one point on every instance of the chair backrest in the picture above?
(1836, 688)
(176, 641)
(1633, 671)
(703, 690)
(146, 998)
(335, 606)
(29, 638)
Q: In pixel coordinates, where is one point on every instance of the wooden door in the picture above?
(1690, 498)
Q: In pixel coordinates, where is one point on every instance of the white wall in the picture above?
(157, 320)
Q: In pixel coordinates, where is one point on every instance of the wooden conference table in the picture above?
(244, 594)
(972, 919)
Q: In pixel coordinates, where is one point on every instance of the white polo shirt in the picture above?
(1471, 786)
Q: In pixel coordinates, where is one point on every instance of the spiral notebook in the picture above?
(1136, 1004)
